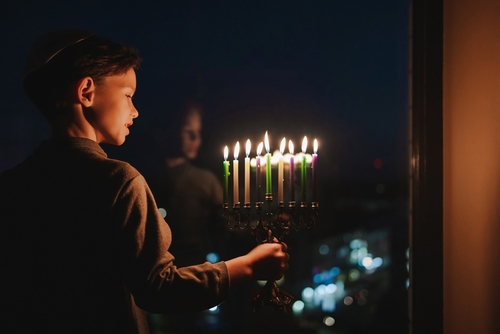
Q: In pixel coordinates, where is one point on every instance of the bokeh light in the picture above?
(329, 321)
(213, 257)
(163, 212)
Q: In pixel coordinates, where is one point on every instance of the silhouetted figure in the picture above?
(190, 195)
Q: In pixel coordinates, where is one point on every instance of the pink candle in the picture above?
(280, 171)
(315, 171)
(247, 173)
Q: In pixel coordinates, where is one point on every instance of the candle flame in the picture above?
(248, 145)
(236, 150)
(226, 153)
(266, 142)
(304, 144)
(315, 146)
(259, 148)
(290, 146)
(282, 146)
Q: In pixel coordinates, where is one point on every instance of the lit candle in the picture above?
(247, 173)
(225, 165)
(315, 170)
(292, 171)
(280, 171)
(235, 173)
(269, 185)
(257, 171)
(303, 169)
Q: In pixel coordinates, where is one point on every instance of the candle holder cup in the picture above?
(271, 227)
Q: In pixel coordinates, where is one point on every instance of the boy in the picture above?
(83, 246)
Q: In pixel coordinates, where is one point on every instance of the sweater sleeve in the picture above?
(149, 270)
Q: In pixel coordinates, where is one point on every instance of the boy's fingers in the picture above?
(284, 246)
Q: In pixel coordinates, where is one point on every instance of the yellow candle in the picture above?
(236, 196)
(280, 171)
(247, 173)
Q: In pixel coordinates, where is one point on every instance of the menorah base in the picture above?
(271, 227)
(272, 295)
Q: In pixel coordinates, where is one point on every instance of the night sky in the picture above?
(334, 70)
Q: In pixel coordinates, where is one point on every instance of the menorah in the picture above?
(267, 221)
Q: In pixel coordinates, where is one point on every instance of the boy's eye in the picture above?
(129, 96)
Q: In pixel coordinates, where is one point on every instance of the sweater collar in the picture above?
(68, 143)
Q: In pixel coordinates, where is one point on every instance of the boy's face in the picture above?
(113, 111)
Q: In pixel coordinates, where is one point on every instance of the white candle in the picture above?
(280, 171)
(247, 173)
(257, 171)
(236, 196)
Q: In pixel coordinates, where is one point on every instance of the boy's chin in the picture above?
(117, 142)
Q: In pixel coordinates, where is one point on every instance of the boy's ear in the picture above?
(85, 91)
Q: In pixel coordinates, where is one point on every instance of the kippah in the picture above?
(48, 46)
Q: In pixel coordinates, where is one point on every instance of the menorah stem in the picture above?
(269, 223)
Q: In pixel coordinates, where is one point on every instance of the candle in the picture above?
(257, 171)
(236, 196)
(315, 170)
(269, 185)
(280, 171)
(303, 169)
(247, 173)
(225, 165)
(292, 171)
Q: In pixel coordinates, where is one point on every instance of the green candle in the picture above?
(225, 165)
(303, 170)
(269, 184)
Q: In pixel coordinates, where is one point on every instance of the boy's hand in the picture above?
(267, 261)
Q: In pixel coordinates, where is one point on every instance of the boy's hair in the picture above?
(61, 58)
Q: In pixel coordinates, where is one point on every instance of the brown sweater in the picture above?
(85, 250)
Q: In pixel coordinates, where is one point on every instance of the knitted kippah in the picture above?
(48, 46)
